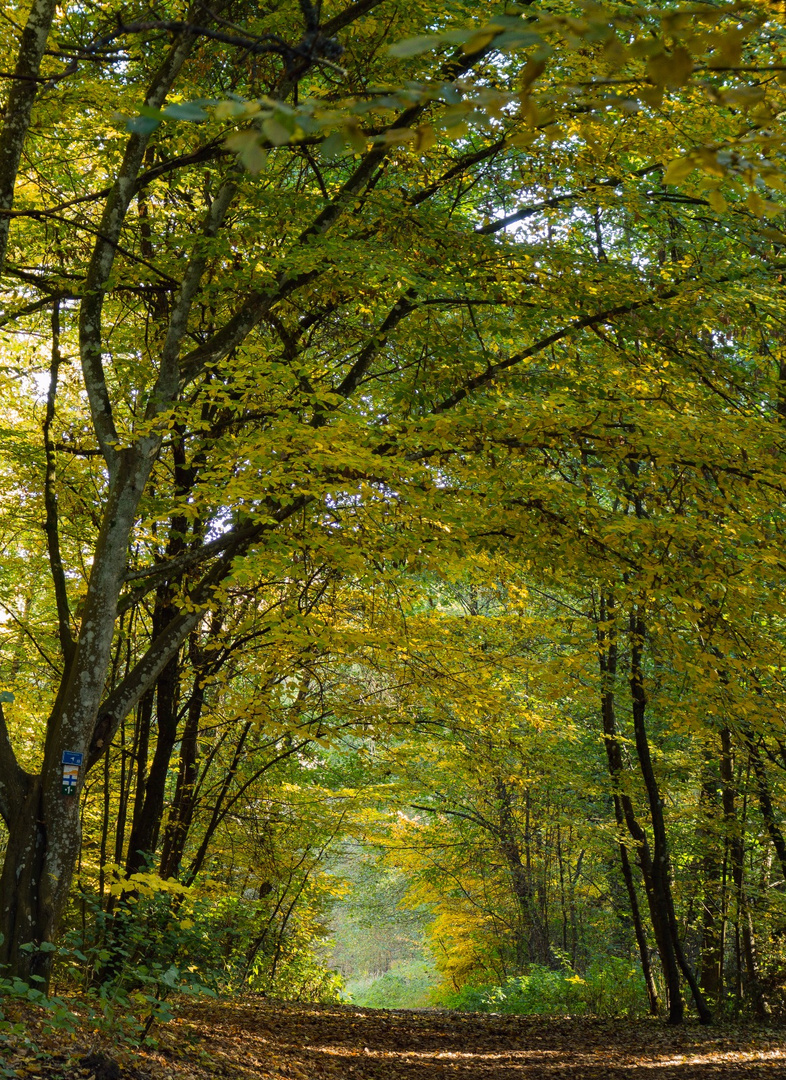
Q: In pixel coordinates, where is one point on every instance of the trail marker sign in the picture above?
(72, 763)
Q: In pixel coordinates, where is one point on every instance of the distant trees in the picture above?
(529, 855)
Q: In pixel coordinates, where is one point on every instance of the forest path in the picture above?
(272, 1040)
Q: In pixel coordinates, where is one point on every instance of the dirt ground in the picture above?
(271, 1040)
(320, 1042)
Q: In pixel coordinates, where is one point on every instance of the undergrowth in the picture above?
(612, 988)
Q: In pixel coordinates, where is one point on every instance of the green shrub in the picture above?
(615, 987)
(611, 987)
(207, 943)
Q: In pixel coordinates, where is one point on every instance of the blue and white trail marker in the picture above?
(72, 763)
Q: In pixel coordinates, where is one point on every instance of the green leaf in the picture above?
(185, 110)
(275, 132)
(142, 125)
(416, 45)
(171, 976)
(334, 145)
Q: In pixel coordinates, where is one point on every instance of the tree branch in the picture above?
(99, 271)
(51, 527)
(167, 384)
(16, 120)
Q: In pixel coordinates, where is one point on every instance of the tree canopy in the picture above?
(393, 417)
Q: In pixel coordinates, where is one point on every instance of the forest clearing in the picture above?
(392, 520)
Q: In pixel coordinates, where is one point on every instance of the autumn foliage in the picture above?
(392, 468)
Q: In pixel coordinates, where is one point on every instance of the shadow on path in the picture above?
(269, 1039)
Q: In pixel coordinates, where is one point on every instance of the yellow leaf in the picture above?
(728, 50)
(424, 137)
(774, 180)
(480, 40)
(671, 69)
(246, 146)
(708, 161)
(615, 54)
(744, 97)
(678, 169)
(651, 95)
(716, 201)
(227, 109)
(756, 204)
(397, 135)
(532, 69)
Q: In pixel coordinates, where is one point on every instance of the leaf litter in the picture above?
(272, 1040)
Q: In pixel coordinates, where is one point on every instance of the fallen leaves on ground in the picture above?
(272, 1040)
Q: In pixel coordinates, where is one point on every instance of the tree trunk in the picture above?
(638, 925)
(765, 802)
(147, 821)
(44, 828)
(713, 899)
(661, 871)
(24, 919)
(43, 822)
(144, 834)
(183, 805)
(658, 916)
(623, 809)
(747, 973)
(538, 948)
